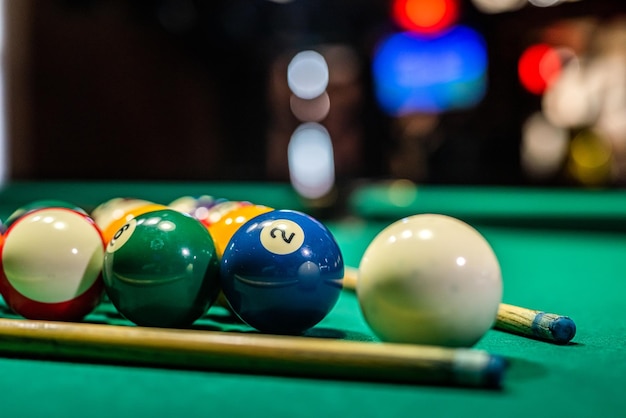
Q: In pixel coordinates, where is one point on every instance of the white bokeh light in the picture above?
(544, 147)
(311, 161)
(544, 3)
(307, 74)
(499, 6)
(573, 100)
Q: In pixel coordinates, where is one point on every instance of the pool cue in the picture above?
(251, 353)
(525, 322)
(537, 324)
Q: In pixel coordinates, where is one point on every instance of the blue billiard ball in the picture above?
(281, 272)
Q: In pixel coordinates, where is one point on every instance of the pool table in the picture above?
(560, 250)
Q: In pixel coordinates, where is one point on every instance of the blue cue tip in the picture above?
(494, 371)
(561, 328)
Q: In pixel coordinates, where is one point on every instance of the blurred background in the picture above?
(316, 92)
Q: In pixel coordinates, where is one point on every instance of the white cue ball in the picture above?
(430, 279)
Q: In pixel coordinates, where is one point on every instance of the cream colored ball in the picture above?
(430, 279)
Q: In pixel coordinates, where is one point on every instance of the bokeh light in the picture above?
(538, 66)
(414, 73)
(544, 3)
(311, 161)
(402, 192)
(590, 158)
(608, 76)
(307, 74)
(573, 100)
(310, 110)
(544, 147)
(498, 6)
(425, 16)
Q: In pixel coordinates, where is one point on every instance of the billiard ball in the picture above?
(194, 206)
(198, 207)
(161, 269)
(51, 263)
(223, 230)
(221, 209)
(429, 279)
(39, 204)
(114, 209)
(218, 211)
(187, 204)
(126, 215)
(281, 272)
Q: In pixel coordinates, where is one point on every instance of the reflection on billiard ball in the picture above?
(39, 204)
(281, 272)
(51, 263)
(430, 279)
(161, 269)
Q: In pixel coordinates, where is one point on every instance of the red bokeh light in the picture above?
(538, 66)
(425, 16)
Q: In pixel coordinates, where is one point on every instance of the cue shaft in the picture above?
(518, 320)
(251, 353)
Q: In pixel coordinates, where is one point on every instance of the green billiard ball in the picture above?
(161, 269)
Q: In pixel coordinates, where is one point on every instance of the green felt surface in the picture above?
(570, 208)
(580, 274)
(571, 271)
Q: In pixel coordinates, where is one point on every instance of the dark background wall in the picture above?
(112, 89)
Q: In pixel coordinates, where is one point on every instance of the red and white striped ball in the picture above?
(51, 265)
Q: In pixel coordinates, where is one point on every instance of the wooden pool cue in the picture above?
(537, 324)
(251, 353)
(526, 322)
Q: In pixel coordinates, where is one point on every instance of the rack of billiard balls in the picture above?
(280, 271)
